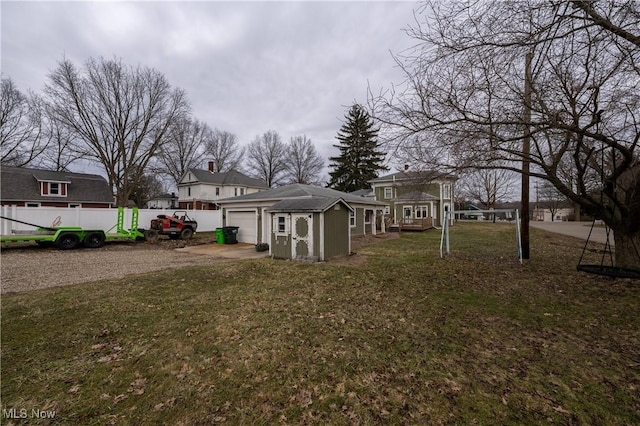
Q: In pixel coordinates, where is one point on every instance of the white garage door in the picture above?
(248, 223)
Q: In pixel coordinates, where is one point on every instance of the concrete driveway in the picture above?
(226, 251)
(576, 229)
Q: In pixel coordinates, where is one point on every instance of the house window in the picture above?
(352, 219)
(241, 191)
(189, 192)
(55, 189)
(74, 205)
(387, 210)
(446, 191)
(32, 205)
(388, 192)
(235, 192)
(217, 191)
(422, 212)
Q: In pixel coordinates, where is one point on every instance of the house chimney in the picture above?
(211, 166)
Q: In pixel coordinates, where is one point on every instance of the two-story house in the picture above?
(201, 189)
(25, 187)
(416, 199)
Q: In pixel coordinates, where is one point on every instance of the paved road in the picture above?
(576, 229)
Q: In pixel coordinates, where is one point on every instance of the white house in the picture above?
(201, 189)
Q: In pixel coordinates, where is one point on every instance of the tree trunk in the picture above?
(627, 250)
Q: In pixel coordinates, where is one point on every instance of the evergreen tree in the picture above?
(359, 160)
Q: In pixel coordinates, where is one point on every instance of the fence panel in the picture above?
(105, 219)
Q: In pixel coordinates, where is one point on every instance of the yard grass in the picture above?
(402, 338)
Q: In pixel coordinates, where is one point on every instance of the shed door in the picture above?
(302, 234)
(247, 221)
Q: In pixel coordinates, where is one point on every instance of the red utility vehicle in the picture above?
(177, 226)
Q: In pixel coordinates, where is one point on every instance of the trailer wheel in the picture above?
(67, 241)
(151, 235)
(186, 233)
(94, 240)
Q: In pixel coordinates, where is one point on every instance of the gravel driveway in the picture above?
(33, 267)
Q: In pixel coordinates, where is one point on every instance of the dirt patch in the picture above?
(360, 241)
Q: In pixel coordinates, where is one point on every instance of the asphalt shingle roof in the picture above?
(415, 176)
(313, 204)
(299, 190)
(21, 184)
(232, 177)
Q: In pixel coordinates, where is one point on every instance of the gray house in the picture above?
(27, 187)
(303, 220)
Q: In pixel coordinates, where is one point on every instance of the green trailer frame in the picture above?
(70, 237)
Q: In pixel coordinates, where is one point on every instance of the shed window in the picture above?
(281, 224)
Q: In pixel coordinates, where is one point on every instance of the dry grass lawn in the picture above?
(398, 337)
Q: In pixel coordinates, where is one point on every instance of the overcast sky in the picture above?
(247, 67)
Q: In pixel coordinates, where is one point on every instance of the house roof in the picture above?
(231, 177)
(165, 196)
(368, 192)
(416, 196)
(313, 204)
(414, 176)
(299, 190)
(21, 184)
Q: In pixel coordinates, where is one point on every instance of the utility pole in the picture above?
(526, 151)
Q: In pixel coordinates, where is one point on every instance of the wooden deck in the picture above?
(416, 224)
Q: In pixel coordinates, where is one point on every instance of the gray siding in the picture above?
(336, 232)
(359, 228)
(316, 234)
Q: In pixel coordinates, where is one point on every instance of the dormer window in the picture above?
(53, 189)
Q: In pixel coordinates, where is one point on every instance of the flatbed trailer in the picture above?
(63, 237)
(70, 237)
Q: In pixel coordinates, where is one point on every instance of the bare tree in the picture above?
(123, 114)
(303, 164)
(222, 148)
(183, 148)
(63, 147)
(20, 126)
(266, 158)
(463, 102)
(488, 186)
(551, 199)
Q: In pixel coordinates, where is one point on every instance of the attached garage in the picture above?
(247, 222)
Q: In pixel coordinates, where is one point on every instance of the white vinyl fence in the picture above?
(105, 219)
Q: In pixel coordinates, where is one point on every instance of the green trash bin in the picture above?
(220, 236)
